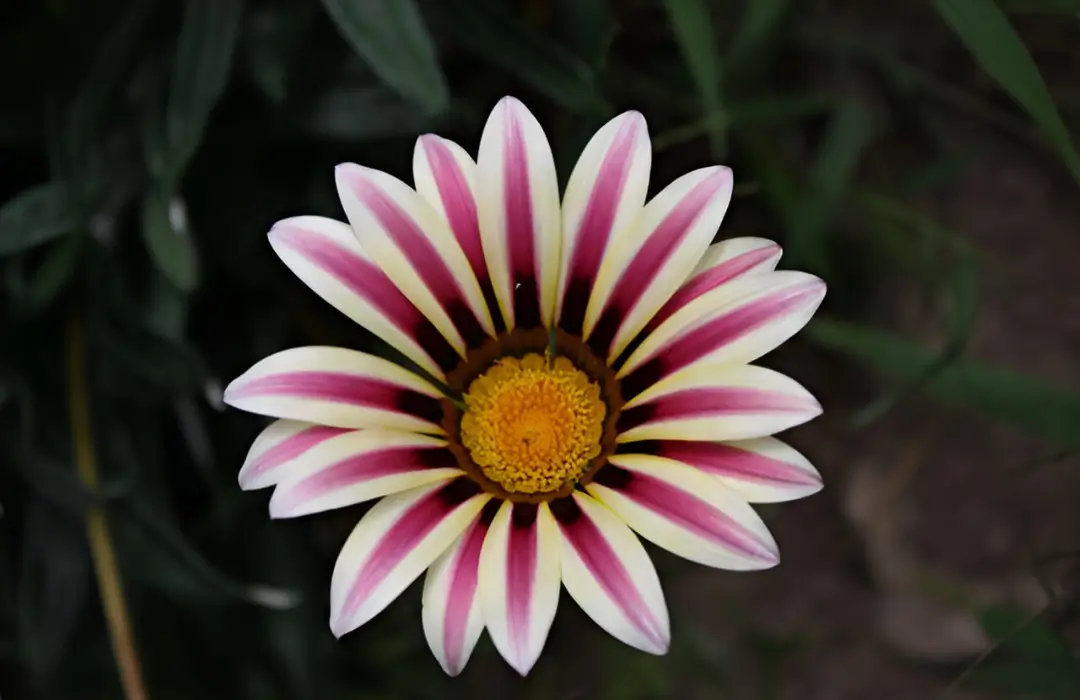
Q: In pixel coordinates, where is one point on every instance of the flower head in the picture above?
(581, 374)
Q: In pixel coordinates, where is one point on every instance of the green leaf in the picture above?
(204, 55)
(760, 19)
(36, 215)
(492, 32)
(693, 30)
(749, 113)
(1028, 403)
(165, 232)
(986, 31)
(391, 36)
(33, 291)
(849, 133)
(587, 26)
(1024, 634)
(1040, 6)
(363, 114)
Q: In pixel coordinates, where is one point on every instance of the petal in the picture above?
(358, 466)
(686, 512)
(642, 270)
(519, 214)
(445, 177)
(451, 614)
(723, 262)
(519, 581)
(763, 470)
(607, 571)
(417, 250)
(717, 402)
(604, 195)
(279, 445)
(337, 387)
(398, 538)
(326, 255)
(735, 323)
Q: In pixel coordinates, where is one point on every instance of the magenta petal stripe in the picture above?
(618, 588)
(685, 511)
(277, 446)
(605, 192)
(762, 470)
(412, 245)
(339, 388)
(393, 544)
(653, 273)
(327, 257)
(723, 262)
(445, 176)
(359, 466)
(451, 612)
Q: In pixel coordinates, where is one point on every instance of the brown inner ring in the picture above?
(518, 343)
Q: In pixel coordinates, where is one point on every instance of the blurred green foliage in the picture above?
(149, 146)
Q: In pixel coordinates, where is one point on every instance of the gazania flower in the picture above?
(575, 375)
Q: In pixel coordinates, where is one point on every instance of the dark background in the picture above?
(915, 154)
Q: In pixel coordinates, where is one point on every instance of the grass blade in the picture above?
(391, 37)
(693, 30)
(36, 215)
(985, 30)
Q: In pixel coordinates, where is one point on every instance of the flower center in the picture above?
(532, 425)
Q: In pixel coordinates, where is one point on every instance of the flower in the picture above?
(580, 374)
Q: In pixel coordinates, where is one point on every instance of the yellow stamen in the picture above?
(531, 425)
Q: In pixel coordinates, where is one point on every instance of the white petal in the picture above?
(326, 255)
(518, 206)
(451, 614)
(519, 581)
(339, 388)
(398, 538)
(277, 447)
(717, 402)
(358, 466)
(607, 571)
(685, 511)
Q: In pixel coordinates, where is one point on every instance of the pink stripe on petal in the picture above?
(687, 511)
(360, 468)
(457, 201)
(711, 279)
(607, 568)
(339, 387)
(364, 279)
(521, 561)
(464, 580)
(647, 263)
(594, 230)
(520, 224)
(408, 531)
(727, 460)
(713, 401)
(420, 252)
(291, 448)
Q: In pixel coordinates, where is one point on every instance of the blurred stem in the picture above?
(97, 527)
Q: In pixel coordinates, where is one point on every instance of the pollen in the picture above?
(533, 424)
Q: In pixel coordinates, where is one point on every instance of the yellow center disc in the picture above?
(531, 425)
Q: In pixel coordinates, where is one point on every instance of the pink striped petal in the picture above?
(734, 323)
(519, 581)
(445, 176)
(685, 511)
(451, 614)
(392, 545)
(518, 208)
(339, 388)
(358, 466)
(763, 470)
(723, 262)
(605, 193)
(278, 447)
(326, 255)
(416, 249)
(642, 270)
(717, 402)
(607, 571)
